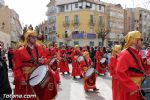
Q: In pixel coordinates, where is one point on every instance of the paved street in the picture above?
(71, 89)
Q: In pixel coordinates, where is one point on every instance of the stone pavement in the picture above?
(71, 89)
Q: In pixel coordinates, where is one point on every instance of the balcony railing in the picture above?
(84, 36)
(65, 24)
(91, 23)
(75, 23)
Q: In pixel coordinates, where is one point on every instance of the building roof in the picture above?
(62, 2)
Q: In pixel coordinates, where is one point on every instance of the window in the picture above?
(91, 19)
(76, 5)
(60, 44)
(99, 7)
(67, 6)
(91, 5)
(91, 43)
(100, 20)
(61, 8)
(100, 43)
(76, 19)
(66, 19)
(76, 42)
(66, 34)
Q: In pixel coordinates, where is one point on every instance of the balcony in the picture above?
(49, 12)
(91, 36)
(66, 24)
(78, 36)
(75, 23)
(91, 23)
(84, 36)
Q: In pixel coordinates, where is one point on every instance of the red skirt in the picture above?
(63, 65)
(99, 68)
(90, 82)
(76, 70)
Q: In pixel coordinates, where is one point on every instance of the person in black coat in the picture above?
(4, 81)
(10, 56)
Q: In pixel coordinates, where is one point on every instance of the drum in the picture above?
(89, 72)
(145, 88)
(38, 76)
(53, 64)
(103, 60)
(80, 58)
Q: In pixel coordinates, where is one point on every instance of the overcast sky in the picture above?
(33, 11)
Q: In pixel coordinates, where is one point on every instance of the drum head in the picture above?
(38, 75)
(145, 88)
(103, 60)
(52, 61)
(80, 58)
(89, 72)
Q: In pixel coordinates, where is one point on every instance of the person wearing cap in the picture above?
(112, 68)
(129, 67)
(76, 70)
(28, 58)
(63, 63)
(89, 81)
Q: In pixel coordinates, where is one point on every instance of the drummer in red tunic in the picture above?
(99, 67)
(76, 70)
(55, 52)
(89, 81)
(27, 58)
(148, 61)
(112, 67)
(63, 63)
(129, 67)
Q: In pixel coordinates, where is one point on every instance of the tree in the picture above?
(102, 31)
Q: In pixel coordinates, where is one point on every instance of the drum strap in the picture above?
(31, 55)
(136, 61)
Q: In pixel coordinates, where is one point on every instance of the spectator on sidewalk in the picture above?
(10, 56)
(4, 81)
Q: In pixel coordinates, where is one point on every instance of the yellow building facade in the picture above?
(80, 21)
(84, 23)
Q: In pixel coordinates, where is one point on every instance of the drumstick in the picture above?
(145, 89)
(32, 78)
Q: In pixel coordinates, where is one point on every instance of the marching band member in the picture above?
(112, 67)
(27, 58)
(98, 57)
(85, 64)
(56, 55)
(76, 70)
(129, 67)
(63, 63)
(148, 61)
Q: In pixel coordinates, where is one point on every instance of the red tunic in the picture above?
(148, 57)
(50, 54)
(22, 69)
(76, 70)
(115, 82)
(126, 78)
(99, 68)
(63, 63)
(89, 82)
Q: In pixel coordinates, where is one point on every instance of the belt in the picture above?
(137, 80)
(27, 69)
